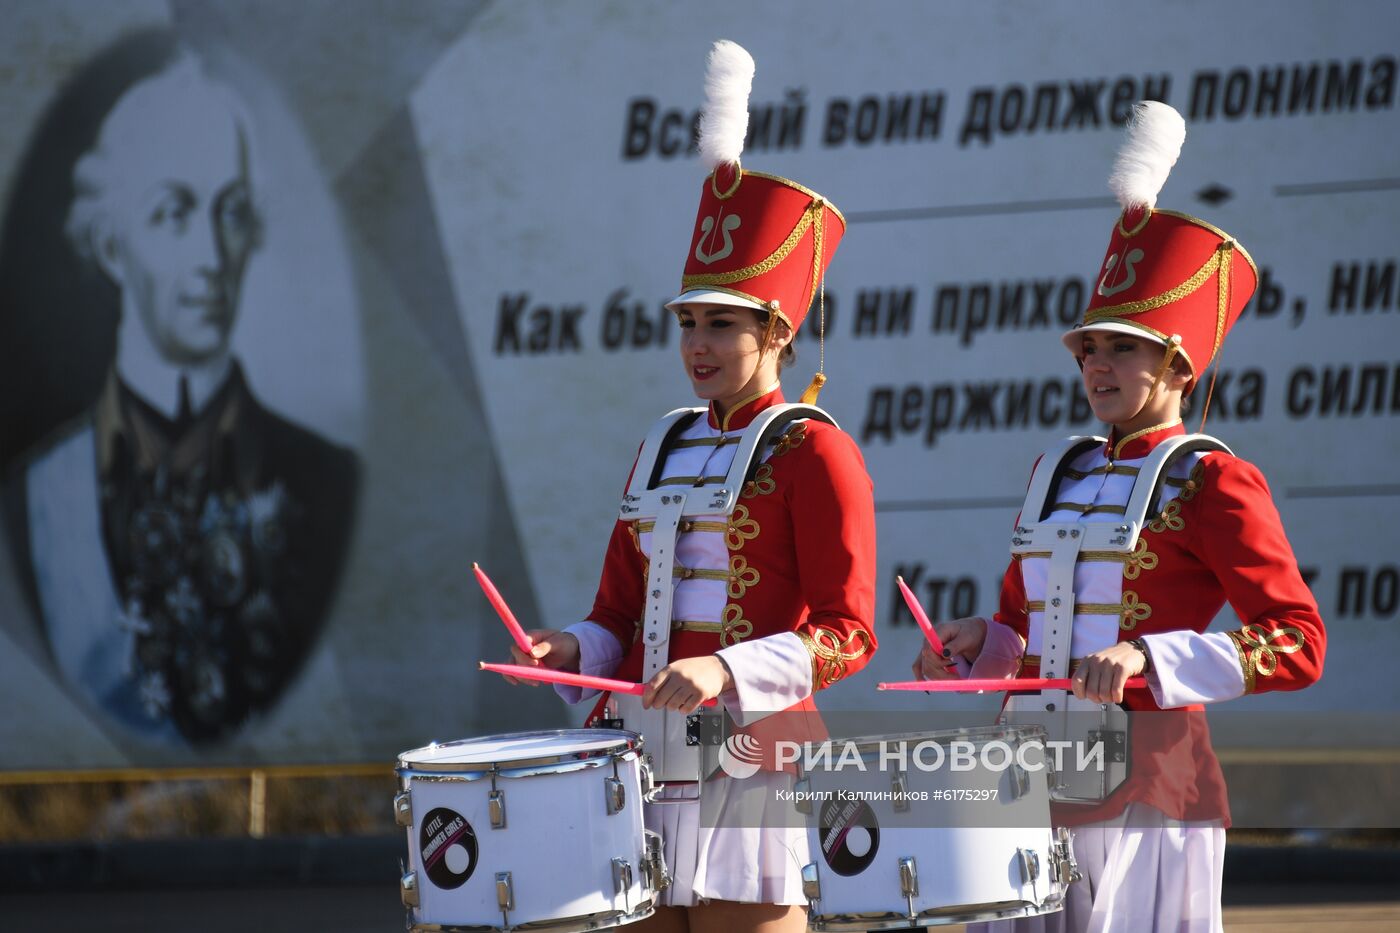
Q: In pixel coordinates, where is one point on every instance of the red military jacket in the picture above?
(1219, 539)
(797, 555)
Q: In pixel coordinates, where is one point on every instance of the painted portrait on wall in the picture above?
(181, 538)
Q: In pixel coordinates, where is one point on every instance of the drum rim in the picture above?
(577, 924)
(933, 916)
(627, 742)
(864, 743)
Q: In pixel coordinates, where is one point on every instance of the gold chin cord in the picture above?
(1172, 347)
(1222, 310)
(814, 388)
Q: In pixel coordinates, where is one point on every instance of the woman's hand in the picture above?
(557, 651)
(683, 685)
(1101, 675)
(961, 637)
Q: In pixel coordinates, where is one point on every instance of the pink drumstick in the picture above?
(522, 640)
(574, 680)
(994, 684)
(921, 617)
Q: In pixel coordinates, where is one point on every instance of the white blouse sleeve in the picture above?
(599, 653)
(770, 674)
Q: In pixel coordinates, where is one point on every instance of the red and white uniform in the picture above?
(783, 591)
(783, 588)
(1152, 852)
(1153, 848)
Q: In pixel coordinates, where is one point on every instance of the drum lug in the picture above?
(1020, 782)
(648, 783)
(908, 876)
(1030, 865)
(622, 882)
(899, 784)
(403, 809)
(1063, 868)
(505, 893)
(909, 883)
(801, 793)
(654, 862)
(811, 882)
(616, 795)
(408, 890)
(496, 806)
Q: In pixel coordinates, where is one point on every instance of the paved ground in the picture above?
(368, 909)
(1343, 918)
(1294, 908)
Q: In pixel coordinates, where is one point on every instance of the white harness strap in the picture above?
(674, 758)
(1047, 473)
(1147, 487)
(1064, 541)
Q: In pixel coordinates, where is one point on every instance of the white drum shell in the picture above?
(559, 843)
(967, 854)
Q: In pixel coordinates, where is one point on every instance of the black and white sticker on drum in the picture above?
(448, 848)
(850, 836)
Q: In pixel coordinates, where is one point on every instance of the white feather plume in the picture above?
(724, 121)
(1155, 135)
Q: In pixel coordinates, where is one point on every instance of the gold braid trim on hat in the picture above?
(1222, 311)
(818, 286)
(811, 214)
(1166, 298)
(817, 247)
(1220, 261)
(1222, 303)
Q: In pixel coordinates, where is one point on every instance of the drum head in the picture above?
(521, 749)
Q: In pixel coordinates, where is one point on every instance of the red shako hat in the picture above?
(759, 241)
(1167, 276)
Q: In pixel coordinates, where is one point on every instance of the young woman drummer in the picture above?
(1170, 288)
(773, 600)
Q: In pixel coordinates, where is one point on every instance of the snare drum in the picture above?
(931, 828)
(537, 829)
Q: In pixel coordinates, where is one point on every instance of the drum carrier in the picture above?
(676, 745)
(1092, 723)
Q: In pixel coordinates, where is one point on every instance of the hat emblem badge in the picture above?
(725, 226)
(1125, 274)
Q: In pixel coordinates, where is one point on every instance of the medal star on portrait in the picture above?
(182, 541)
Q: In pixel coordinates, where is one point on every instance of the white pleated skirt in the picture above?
(1144, 872)
(734, 844)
